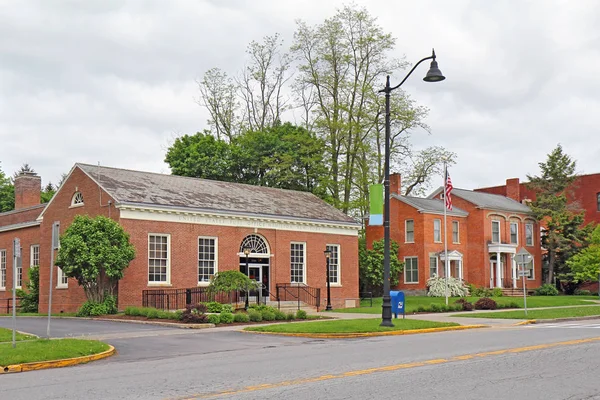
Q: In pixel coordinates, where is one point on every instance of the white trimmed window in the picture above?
(514, 233)
(409, 231)
(158, 258)
(34, 255)
(433, 266)
(528, 234)
(411, 270)
(207, 259)
(2, 269)
(530, 271)
(334, 263)
(19, 283)
(455, 232)
(495, 231)
(77, 199)
(437, 230)
(297, 262)
(62, 279)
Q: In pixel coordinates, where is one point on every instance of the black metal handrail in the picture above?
(9, 304)
(366, 296)
(177, 299)
(300, 293)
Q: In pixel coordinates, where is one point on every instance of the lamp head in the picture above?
(434, 74)
(246, 251)
(327, 253)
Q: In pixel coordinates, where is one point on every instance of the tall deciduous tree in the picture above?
(7, 193)
(585, 265)
(370, 264)
(562, 234)
(96, 252)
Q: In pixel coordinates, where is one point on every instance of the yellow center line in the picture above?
(387, 368)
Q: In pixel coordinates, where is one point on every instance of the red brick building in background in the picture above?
(484, 231)
(184, 230)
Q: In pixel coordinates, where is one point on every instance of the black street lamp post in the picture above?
(247, 253)
(433, 75)
(327, 256)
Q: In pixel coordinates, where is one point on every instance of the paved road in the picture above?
(548, 363)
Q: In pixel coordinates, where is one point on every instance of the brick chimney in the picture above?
(513, 189)
(28, 187)
(395, 183)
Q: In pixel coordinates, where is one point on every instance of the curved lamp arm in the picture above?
(388, 89)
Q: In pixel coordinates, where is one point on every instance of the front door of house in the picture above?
(260, 273)
(493, 276)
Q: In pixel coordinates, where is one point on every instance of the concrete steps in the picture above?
(518, 292)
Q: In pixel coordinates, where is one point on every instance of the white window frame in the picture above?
(19, 273)
(437, 265)
(515, 224)
(406, 270)
(531, 277)
(338, 271)
(457, 241)
(438, 230)
(3, 269)
(62, 280)
(303, 244)
(215, 266)
(77, 199)
(495, 221)
(168, 273)
(527, 237)
(33, 249)
(406, 231)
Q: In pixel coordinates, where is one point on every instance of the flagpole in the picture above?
(446, 263)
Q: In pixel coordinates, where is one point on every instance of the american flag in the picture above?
(447, 189)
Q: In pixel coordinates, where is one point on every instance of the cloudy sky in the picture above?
(114, 81)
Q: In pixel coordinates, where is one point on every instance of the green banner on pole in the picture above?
(376, 204)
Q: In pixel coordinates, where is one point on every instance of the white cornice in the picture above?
(154, 213)
(19, 226)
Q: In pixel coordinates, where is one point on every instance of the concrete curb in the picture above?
(527, 322)
(567, 319)
(67, 362)
(159, 323)
(371, 334)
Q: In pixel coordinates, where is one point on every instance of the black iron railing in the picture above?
(177, 299)
(366, 296)
(8, 305)
(299, 293)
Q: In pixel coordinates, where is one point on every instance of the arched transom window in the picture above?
(255, 243)
(77, 199)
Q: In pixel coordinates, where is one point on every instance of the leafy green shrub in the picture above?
(421, 309)
(226, 317)
(262, 307)
(131, 311)
(194, 314)
(152, 314)
(463, 305)
(581, 292)
(214, 307)
(485, 303)
(279, 315)
(434, 307)
(91, 309)
(546, 290)
(301, 314)
(240, 317)
(268, 316)
(513, 304)
(497, 292)
(30, 300)
(290, 316)
(166, 315)
(436, 287)
(254, 315)
(227, 308)
(214, 319)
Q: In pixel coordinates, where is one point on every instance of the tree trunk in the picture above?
(551, 261)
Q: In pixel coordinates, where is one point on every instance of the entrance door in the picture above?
(493, 278)
(259, 273)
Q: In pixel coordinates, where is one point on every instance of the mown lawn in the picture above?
(47, 350)
(350, 326)
(414, 302)
(538, 314)
(6, 335)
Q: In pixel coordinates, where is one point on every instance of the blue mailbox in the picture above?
(397, 303)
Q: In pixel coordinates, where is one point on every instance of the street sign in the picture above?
(17, 247)
(523, 273)
(523, 257)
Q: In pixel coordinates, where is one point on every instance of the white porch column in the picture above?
(514, 273)
(498, 271)
(460, 269)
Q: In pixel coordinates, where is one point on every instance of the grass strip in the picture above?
(48, 350)
(414, 302)
(6, 335)
(350, 326)
(538, 314)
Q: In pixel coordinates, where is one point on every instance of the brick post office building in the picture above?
(484, 231)
(184, 231)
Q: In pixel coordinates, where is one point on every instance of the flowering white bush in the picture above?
(436, 287)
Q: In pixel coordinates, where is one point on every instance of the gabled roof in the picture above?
(153, 189)
(430, 206)
(486, 200)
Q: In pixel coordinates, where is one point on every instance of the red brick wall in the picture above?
(60, 209)
(27, 191)
(28, 237)
(20, 216)
(184, 257)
